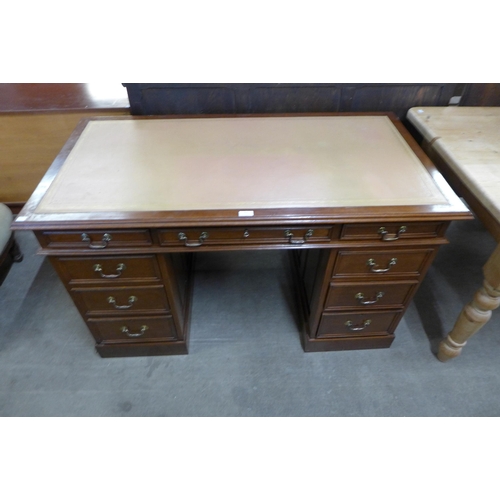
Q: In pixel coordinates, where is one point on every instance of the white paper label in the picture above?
(245, 213)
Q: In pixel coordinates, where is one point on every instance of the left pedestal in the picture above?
(133, 304)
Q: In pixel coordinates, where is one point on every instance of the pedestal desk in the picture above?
(465, 144)
(130, 201)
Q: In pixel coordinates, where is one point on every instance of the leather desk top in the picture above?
(239, 163)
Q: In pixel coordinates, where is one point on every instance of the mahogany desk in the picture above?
(129, 202)
(464, 142)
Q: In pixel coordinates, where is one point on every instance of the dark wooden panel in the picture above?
(288, 98)
(481, 94)
(223, 98)
(142, 349)
(212, 98)
(395, 97)
(342, 343)
(181, 100)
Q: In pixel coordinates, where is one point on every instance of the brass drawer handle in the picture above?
(373, 264)
(142, 331)
(384, 234)
(202, 238)
(131, 300)
(353, 328)
(119, 269)
(104, 241)
(289, 235)
(368, 302)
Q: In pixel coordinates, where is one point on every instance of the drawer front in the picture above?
(350, 263)
(132, 329)
(358, 324)
(124, 300)
(106, 270)
(392, 231)
(365, 295)
(194, 237)
(94, 240)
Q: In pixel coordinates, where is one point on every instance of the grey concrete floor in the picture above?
(239, 366)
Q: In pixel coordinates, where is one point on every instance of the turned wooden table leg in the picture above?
(475, 314)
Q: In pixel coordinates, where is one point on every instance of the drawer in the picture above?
(358, 324)
(102, 269)
(294, 236)
(392, 231)
(368, 295)
(374, 263)
(123, 300)
(133, 329)
(95, 240)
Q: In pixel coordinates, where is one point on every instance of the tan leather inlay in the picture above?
(239, 163)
